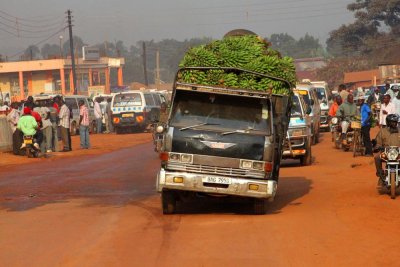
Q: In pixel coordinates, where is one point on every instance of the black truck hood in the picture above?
(235, 145)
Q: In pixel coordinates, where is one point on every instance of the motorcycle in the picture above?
(391, 156)
(30, 150)
(335, 132)
(347, 141)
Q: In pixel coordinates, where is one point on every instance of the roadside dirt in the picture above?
(100, 143)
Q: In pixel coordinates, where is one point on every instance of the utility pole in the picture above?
(71, 48)
(146, 81)
(158, 68)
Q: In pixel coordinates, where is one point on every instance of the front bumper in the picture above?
(194, 182)
(324, 123)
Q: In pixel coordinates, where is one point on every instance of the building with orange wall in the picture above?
(54, 76)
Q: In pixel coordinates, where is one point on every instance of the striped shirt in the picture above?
(84, 112)
(64, 116)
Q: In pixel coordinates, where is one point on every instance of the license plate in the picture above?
(28, 141)
(128, 115)
(217, 180)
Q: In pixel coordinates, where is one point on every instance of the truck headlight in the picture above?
(252, 165)
(186, 158)
(246, 164)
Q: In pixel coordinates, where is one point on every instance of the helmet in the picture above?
(392, 120)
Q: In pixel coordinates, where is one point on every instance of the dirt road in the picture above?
(102, 210)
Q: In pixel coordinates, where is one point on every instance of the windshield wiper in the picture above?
(247, 130)
(197, 125)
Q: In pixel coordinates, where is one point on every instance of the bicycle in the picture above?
(358, 145)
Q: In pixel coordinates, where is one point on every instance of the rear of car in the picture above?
(308, 92)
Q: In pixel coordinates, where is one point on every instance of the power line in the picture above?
(18, 22)
(30, 20)
(275, 8)
(20, 29)
(275, 19)
(38, 43)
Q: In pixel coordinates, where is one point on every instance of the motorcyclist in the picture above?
(335, 106)
(388, 136)
(346, 111)
(28, 126)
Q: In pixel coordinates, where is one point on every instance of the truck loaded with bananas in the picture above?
(229, 115)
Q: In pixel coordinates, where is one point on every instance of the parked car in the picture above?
(134, 109)
(309, 94)
(299, 138)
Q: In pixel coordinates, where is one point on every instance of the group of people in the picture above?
(45, 121)
(388, 122)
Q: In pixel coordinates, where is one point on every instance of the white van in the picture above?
(134, 109)
(72, 103)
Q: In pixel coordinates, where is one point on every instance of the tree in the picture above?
(377, 23)
(306, 46)
(50, 50)
(31, 52)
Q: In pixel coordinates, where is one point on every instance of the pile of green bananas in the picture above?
(248, 52)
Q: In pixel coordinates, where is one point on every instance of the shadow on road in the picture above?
(290, 189)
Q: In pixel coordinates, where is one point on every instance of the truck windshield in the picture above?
(296, 106)
(126, 100)
(220, 112)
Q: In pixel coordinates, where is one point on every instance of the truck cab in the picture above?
(221, 141)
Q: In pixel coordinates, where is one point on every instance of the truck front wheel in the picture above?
(260, 206)
(168, 201)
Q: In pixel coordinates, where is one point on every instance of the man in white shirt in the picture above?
(396, 100)
(98, 114)
(64, 116)
(386, 108)
(44, 112)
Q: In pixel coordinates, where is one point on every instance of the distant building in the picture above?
(306, 68)
(362, 79)
(54, 76)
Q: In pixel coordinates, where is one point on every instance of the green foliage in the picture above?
(245, 52)
(305, 47)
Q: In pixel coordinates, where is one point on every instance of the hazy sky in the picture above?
(131, 21)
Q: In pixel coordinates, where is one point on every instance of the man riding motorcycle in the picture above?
(29, 127)
(388, 136)
(346, 111)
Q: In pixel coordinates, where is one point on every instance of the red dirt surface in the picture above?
(102, 210)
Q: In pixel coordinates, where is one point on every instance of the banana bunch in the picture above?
(247, 52)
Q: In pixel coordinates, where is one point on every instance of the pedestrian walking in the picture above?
(109, 123)
(64, 126)
(84, 125)
(98, 114)
(46, 129)
(13, 118)
(386, 108)
(52, 106)
(366, 116)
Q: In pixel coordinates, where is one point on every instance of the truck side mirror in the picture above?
(312, 102)
(308, 111)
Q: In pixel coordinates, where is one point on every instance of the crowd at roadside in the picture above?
(48, 122)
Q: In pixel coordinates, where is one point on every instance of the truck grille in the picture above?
(204, 169)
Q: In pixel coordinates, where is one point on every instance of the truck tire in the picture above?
(260, 206)
(168, 202)
(306, 160)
